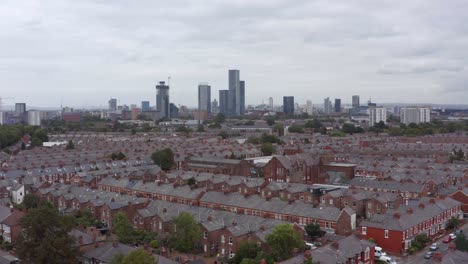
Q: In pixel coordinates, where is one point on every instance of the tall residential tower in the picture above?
(162, 100)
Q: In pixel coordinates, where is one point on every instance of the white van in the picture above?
(379, 252)
(387, 260)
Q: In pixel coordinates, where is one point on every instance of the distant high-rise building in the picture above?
(288, 105)
(356, 103)
(136, 113)
(270, 103)
(113, 105)
(2, 118)
(34, 118)
(309, 107)
(234, 93)
(214, 107)
(162, 100)
(338, 105)
(132, 106)
(173, 111)
(145, 106)
(377, 114)
(224, 102)
(415, 115)
(327, 105)
(204, 97)
(241, 100)
(20, 109)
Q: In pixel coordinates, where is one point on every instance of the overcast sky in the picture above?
(85, 51)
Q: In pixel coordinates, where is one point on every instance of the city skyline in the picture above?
(336, 50)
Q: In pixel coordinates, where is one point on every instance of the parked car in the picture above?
(428, 255)
(449, 238)
(434, 247)
(452, 236)
(387, 259)
(458, 232)
(379, 252)
(309, 245)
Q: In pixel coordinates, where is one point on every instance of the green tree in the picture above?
(270, 121)
(349, 128)
(187, 234)
(267, 149)
(296, 129)
(123, 229)
(117, 259)
(270, 139)
(45, 239)
(278, 128)
(164, 158)
(313, 230)
(283, 240)
(452, 223)
(138, 256)
(70, 145)
(200, 128)
(461, 242)
(191, 181)
(220, 118)
(253, 140)
(85, 218)
(246, 250)
(31, 200)
(314, 123)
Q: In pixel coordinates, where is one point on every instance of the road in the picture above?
(418, 258)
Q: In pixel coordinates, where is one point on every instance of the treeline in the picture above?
(11, 134)
(434, 127)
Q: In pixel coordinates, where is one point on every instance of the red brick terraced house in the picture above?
(395, 230)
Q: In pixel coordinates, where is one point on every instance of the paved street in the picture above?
(418, 258)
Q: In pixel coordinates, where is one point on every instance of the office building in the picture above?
(288, 105)
(270, 103)
(337, 105)
(162, 100)
(173, 111)
(241, 97)
(377, 114)
(415, 115)
(327, 106)
(234, 92)
(224, 102)
(113, 105)
(20, 109)
(145, 106)
(356, 103)
(204, 97)
(34, 118)
(2, 118)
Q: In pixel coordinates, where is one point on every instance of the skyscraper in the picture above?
(162, 100)
(20, 109)
(356, 103)
(309, 107)
(234, 93)
(338, 105)
(113, 104)
(214, 107)
(224, 102)
(241, 101)
(145, 106)
(288, 105)
(327, 106)
(204, 97)
(270, 103)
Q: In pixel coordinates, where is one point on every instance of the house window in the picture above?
(331, 201)
(354, 204)
(366, 255)
(160, 225)
(345, 203)
(369, 205)
(323, 199)
(205, 235)
(364, 230)
(222, 239)
(386, 233)
(327, 225)
(231, 254)
(230, 240)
